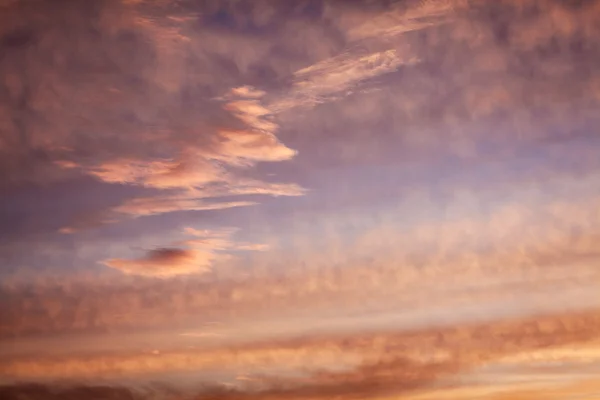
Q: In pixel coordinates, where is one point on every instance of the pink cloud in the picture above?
(160, 174)
(189, 173)
(164, 262)
(191, 256)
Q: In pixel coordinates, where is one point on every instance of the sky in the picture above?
(307, 199)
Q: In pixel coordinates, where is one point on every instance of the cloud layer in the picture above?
(303, 199)
(343, 366)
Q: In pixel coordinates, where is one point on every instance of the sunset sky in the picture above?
(304, 199)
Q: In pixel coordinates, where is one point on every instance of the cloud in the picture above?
(400, 19)
(195, 256)
(191, 199)
(243, 147)
(336, 77)
(165, 174)
(144, 206)
(197, 167)
(199, 173)
(342, 47)
(177, 75)
(51, 392)
(166, 262)
(376, 45)
(576, 388)
(182, 113)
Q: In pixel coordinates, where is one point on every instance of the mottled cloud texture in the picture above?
(308, 199)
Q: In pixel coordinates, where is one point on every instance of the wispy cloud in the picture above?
(159, 174)
(144, 206)
(204, 172)
(335, 78)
